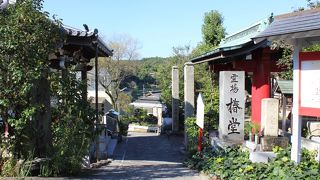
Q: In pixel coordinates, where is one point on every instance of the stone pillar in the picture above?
(188, 94)
(188, 90)
(175, 99)
(231, 106)
(269, 116)
(159, 115)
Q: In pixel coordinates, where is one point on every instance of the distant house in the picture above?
(104, 100)
(151, 103)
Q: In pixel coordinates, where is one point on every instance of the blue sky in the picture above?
(160, 25)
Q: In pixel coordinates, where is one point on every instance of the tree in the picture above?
(124, 47)
(201, 48)
(113, 71)
(27, 37)
(313, 4)
(47, 115)
(181, 54)
(212, 32)
(212, 28)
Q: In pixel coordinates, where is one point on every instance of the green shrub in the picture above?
(247, 129)
(9, 167)
(124, 124)
(234, 163)
(28, 36)
(193, 135)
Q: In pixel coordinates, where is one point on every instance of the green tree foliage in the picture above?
(72, 125)
(124, 103)
(163, 76)
(147, 69)
(27, 36)
(204, 83)
(285, 61)
(113, 74)
(212, 28)
(144, 76)
(201, 49)
(212, 32)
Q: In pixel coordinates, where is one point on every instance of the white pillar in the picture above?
(296, 119)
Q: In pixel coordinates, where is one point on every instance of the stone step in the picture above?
(263, 157)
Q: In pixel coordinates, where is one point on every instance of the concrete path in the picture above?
(146, 156)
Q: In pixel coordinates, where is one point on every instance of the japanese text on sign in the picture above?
(231, 121)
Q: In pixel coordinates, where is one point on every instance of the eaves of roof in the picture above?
(286, 86)
(293, 25)
(85, 38)
(230, 53)
(235, 44)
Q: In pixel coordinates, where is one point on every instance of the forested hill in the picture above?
(144, 77)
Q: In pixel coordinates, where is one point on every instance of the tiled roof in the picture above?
(243, 36)
(235, 43)
(286, 87)
(73, 32)
(293, 25)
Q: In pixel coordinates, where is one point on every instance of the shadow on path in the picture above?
(146, 156)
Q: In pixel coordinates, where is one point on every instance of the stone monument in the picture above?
(269, 125)
(269, 116)
(231, 107)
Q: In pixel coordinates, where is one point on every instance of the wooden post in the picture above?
(296, 118)
(260, 82)
(84, 80)
(97, 105)
(200, 140)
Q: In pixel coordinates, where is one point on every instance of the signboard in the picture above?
(200, 111)
(309, 84)
(231, 105)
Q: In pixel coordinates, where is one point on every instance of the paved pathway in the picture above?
(147, 156)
